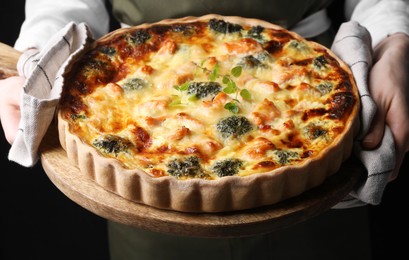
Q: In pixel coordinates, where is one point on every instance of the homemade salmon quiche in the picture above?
(208, 114)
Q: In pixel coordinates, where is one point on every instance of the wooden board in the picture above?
(108, 205)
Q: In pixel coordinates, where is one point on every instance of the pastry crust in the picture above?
(228, 193)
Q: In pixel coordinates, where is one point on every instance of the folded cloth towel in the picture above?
(42, 89)
(353, 45)
(44, 83)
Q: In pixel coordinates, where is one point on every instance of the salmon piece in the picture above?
(246, 45)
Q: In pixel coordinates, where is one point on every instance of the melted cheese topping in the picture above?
(132, 98)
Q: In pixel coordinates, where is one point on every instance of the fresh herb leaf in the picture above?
(230, 85)
(184, 86)
(175, 103)
(231, 88)
(232, 107)
(215, 73)
(244, 93)
(226, 79)
(236, 71)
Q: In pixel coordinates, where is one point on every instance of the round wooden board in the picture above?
(106, 204)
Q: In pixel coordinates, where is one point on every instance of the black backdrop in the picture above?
(38, 222)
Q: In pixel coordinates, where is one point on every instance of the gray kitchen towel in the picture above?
(353, 45)
(42, 89)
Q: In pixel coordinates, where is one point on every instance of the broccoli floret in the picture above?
(227, 167)
(314, 131)
(138, 37)
(255, 32)
(94, 66)
(188, 167)
(250, 62)
(234, 126)
(259, 60)
(324, 88)
(224, 27)
(108, 50)
(299, 46)
(320, 62)
(284, 157)
(102, 70)
(203, 89)
(111, 144)
(185, 29)
(134, 84)
(263, 56)
(78, 116)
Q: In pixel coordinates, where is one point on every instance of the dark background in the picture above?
(37, 221)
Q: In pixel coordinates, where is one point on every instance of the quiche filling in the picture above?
(207, 99)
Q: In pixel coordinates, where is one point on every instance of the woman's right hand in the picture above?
(11, 90)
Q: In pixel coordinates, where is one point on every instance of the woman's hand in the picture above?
(389, 86)
(11, 90)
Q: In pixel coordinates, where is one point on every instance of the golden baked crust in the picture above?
(208, 114)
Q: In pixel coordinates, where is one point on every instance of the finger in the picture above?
(11, 89)
(399, 161)
(375, 134)
(399, 125)
(10, 118)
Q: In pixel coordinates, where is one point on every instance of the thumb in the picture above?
(10, 118)
(11, 89)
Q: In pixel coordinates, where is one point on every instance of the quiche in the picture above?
(207, 114)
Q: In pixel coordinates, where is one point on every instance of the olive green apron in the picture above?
(285, 13)
(334, 235)
(338, 234)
